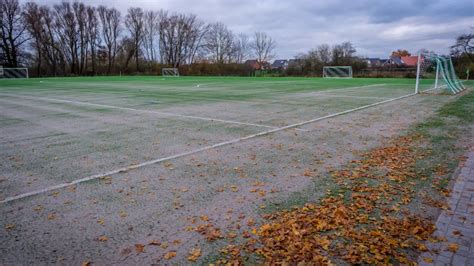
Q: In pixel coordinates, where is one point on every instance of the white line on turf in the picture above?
(350, 96)
(348, 88)
(145, 111)
(225, 143)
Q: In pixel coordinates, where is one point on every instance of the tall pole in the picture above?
(418, 67)
(437, 74)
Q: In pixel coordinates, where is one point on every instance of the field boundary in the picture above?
(217, 145)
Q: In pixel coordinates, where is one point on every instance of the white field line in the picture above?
(347, 89)
(350, 96)
(144, 111)
(221, 144)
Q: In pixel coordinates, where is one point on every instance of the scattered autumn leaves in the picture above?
(365, 222)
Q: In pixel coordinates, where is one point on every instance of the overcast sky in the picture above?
(375, 27)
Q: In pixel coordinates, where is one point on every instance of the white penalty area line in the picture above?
(146, 111)
(221, 144)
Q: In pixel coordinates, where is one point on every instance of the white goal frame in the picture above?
(13, 72)
(337, 72)
(443, 71)
(170, 72)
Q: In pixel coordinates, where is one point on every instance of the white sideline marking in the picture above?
(145, 111)
(350, 96)
(347, 88)
(131, 167)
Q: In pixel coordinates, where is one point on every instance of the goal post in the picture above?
(337, 72)
(170, 72)
(13, 72)
(436, 74)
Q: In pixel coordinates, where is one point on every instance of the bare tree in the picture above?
(324, 53)
(180, 37)
(219, 43)
(110, 25)
(343, 53)
(65, 26)
(13, 32)
(241, 47)
(150, 34)
(263, 46)
(464, 45)
(80, 14)
(32, 18)
(93, 35)
(134, 21)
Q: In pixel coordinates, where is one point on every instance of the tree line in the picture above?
(312, 62)
(72, 38)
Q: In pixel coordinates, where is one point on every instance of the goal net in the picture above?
(337, 72)
(435, 74)
(170, 72)
(13, 73)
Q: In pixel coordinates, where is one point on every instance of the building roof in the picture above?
(410, 60)
(280, 63)
(396, 60)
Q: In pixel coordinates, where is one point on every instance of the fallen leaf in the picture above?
(194, 254)
(123, 214)
(51, 216)
(428, 260)
(103, 238)
(154, 243)
(170, 255)
(453, 247)
(139, 248)
(10, 226)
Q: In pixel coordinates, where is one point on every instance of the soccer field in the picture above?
(81, 127)
(150, 153)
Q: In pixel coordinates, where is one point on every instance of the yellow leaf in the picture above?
(453, 247)
(170, 255)
(103, 238)
(428, 260)
(10, 226)
(194, 254)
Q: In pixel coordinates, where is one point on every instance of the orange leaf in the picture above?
(453, 247)
(139, 248)
(194, 254)
(170, 255)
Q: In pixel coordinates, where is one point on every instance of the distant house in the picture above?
(375, 62)
(280, 64)
(254, 65)
(410, 61)
(394, 61)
